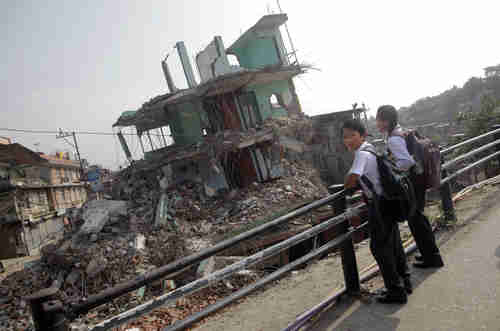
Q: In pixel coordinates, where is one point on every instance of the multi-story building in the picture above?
(35, 191)
(227, 109)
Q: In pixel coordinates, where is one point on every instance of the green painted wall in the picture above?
(264, 92)
(185, 123)
(258, 53)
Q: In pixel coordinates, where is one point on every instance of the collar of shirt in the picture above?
(364, 144)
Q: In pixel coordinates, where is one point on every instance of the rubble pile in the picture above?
(150, 224)
(299, 127)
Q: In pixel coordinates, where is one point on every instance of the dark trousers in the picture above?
(419, 224)
(386, 245)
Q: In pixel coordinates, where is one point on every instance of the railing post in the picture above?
(496, 136)
(347, 254)
(446, 199)
(47, 313)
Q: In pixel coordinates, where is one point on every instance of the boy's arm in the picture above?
(356, 171)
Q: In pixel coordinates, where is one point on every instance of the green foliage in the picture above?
(447, 105)
(478, 123)
(481, 122)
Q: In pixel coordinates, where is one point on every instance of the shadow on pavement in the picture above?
(497, 254)
(353, 315)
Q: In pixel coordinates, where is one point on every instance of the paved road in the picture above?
(464, 295)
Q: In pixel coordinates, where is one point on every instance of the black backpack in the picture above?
(396, 186)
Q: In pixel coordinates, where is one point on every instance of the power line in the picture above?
(56, 132)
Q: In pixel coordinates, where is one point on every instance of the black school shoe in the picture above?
(406, 284)
(393, 296)
(436, 262)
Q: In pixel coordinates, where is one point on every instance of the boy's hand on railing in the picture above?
(350, 191)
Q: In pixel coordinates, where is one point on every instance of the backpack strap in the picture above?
(368, 184)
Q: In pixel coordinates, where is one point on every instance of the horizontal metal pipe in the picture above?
(470, 166)
(156, 274)
(446, 165)
(261, 282)
(468, 141)
(301, 320)
(221, 274)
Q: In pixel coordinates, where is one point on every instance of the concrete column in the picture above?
(186, 64)
(168, 76)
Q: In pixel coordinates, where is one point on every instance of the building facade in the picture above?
(34, 196)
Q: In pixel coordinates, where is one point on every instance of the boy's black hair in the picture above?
(390, 114)
(355, 125)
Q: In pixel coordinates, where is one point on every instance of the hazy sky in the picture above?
(77, 65)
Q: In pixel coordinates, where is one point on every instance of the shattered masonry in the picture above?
(215, 131)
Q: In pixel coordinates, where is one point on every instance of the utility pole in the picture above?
(63, 135)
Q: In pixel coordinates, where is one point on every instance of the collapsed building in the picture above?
(222, 131)
(215, 131)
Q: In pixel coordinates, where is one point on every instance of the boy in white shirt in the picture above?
(385, 241)
(387, 122)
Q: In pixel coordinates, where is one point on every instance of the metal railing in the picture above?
(50, 314)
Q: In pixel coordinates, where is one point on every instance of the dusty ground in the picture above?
(276, 307)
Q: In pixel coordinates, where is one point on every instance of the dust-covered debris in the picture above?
(151, 223)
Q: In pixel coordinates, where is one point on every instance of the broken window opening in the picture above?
(276, 101)
(156, 139)
(233, 60)
(167, 135)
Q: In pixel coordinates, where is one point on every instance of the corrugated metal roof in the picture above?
(18, 154)
(56, 161)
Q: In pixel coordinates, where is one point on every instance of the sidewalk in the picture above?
(464, 295)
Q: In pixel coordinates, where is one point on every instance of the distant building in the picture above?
(60, 171)
(35, 191)
(493, 71)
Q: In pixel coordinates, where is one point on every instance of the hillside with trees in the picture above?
(457, 102)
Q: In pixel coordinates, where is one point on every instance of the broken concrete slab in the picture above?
(96, 214)
(206, 267)
(162, 208)
(140, 242)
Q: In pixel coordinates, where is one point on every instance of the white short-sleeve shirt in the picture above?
(365, 163)
(399, 151)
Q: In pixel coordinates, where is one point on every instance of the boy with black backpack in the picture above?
(398, 145)
(385, 241)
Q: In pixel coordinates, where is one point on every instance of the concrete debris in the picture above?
(206, 267)
(97, 212)
(96, 266)
(151, 222)
(140, 242)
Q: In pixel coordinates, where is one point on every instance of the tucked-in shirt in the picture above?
(399, 151)
(365, 163)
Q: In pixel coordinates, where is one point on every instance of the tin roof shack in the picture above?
(329, 154)
(31, 207)
(215, 132)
